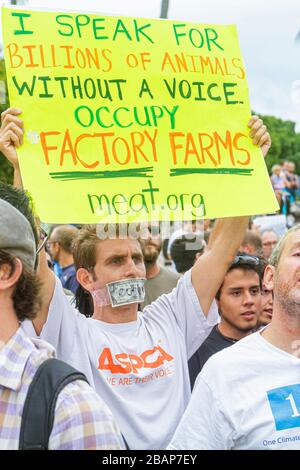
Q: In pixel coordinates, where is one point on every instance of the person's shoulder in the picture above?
(78, 398)
(30, 346)
(79, 394)
(69, 269)
(63, 301)
(81, 415)
(242, 353)
(167, 273)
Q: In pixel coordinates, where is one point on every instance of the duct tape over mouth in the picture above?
(118, 293)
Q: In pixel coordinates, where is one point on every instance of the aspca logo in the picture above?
(126, 363)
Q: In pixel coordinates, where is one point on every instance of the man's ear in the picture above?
(269, 276)
(85, 279)
(8, 276)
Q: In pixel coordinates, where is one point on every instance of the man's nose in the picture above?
(248, 298)
(130, 268)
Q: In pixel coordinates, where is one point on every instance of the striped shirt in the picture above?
(82, 420)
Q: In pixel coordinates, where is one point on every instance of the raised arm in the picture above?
(11, 137)
(209, 270)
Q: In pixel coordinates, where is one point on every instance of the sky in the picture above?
(267, 32)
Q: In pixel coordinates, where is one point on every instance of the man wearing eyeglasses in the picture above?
(59, 246)
(239, 304)
(269, 239)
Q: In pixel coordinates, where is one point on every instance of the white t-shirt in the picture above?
(138, 368)
(246, 397)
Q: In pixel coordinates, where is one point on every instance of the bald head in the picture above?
(64, 235)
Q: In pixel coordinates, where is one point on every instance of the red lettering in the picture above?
(235, 144)
(131, 362)
(106, 363)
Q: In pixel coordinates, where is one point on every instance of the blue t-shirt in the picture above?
(68, 278)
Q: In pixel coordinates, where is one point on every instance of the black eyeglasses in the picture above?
(245, 259)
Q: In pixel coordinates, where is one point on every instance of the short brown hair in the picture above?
(254, 240)
(84, 245)
(26, 295)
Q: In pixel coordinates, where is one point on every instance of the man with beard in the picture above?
(159, 280)
(248, 396)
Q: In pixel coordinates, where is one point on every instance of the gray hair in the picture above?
(276, 254)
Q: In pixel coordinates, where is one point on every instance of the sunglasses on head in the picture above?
(245, 259)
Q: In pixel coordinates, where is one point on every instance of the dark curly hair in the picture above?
(26, 295)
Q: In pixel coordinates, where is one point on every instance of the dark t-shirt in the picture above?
(214, 342)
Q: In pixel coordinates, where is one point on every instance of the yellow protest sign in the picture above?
(132, 119)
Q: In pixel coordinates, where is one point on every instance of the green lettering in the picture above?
(122, 201)
(24, 86)
(98, 118)
(214, 98)
(140, 204)
(145, 89)
(121, 28)
(90, 116)
(229, 93)
(98, 202)
(212, 39)
(116, 117)
(21, 17)
(177, 35)
(139, 30)
(151, 191)
(97, 28)
(69, 26)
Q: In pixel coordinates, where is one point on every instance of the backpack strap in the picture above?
(39, 407)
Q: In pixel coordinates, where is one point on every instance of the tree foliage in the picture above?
(285, 142)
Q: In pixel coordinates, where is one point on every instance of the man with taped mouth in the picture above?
(136, 361)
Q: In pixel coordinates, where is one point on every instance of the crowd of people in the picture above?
(286, 185)
(182, 343)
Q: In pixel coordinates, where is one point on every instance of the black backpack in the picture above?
(39, 407)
